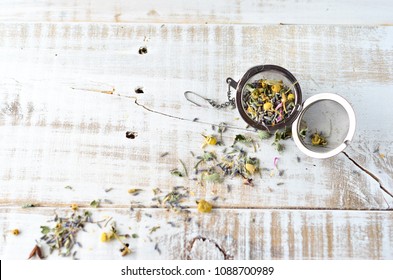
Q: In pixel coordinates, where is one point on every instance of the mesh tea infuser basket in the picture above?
(325, 113)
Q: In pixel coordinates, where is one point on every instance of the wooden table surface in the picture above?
(68, 74)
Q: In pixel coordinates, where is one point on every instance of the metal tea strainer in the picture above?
(325, 113)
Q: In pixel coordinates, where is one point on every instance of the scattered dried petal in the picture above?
(134, 191)
(204, 206)
(250, 168)
(104, 237)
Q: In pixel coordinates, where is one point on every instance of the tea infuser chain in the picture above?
(214, 104)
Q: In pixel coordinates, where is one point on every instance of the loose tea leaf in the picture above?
(184, 167)
(213, 177)
(318, 140)
(174, 199)
(114, 234)
(134, 191)
(268, 101)
(177, 173)
(45, 229)
(95, 203)
(154, 229)
(62, 236)
(239, 138)
(263, 134)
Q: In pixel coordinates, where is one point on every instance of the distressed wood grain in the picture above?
(68, 78)
(200, 12)
(221, 234)
(61, 127)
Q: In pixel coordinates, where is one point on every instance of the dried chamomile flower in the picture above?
(251, 168)
(209, 140)
(204, 206)
(104, 237)
(318, 140)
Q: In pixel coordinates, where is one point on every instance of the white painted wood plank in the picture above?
(201, 11)
(240, 234)
(58, 129)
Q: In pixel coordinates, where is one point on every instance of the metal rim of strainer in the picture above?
(351, 129)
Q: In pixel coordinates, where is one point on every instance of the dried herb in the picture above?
(157, 191)
(172, 224)
(108, 189)
(134, 191)
(211, 176)
(62, 236)
(268, 101)
(263, 134)
(68, 187)
(317, 139)
(95, 203)
(204, 206)
(238, 163)
(45, 229)
(113, 234)
(164, 154)
(184, 167)
(239, 138)
(279, 147)
(209, 140)
(134, 235)
(157, 248)
(279, 135)
(303, 133)
(284, 134)
(275, 161)
(206, 158)
(173, 199)
(154, 229)
(177, 173)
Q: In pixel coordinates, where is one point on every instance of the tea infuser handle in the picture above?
(187, 96)
(230, 102)
(231, 82)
